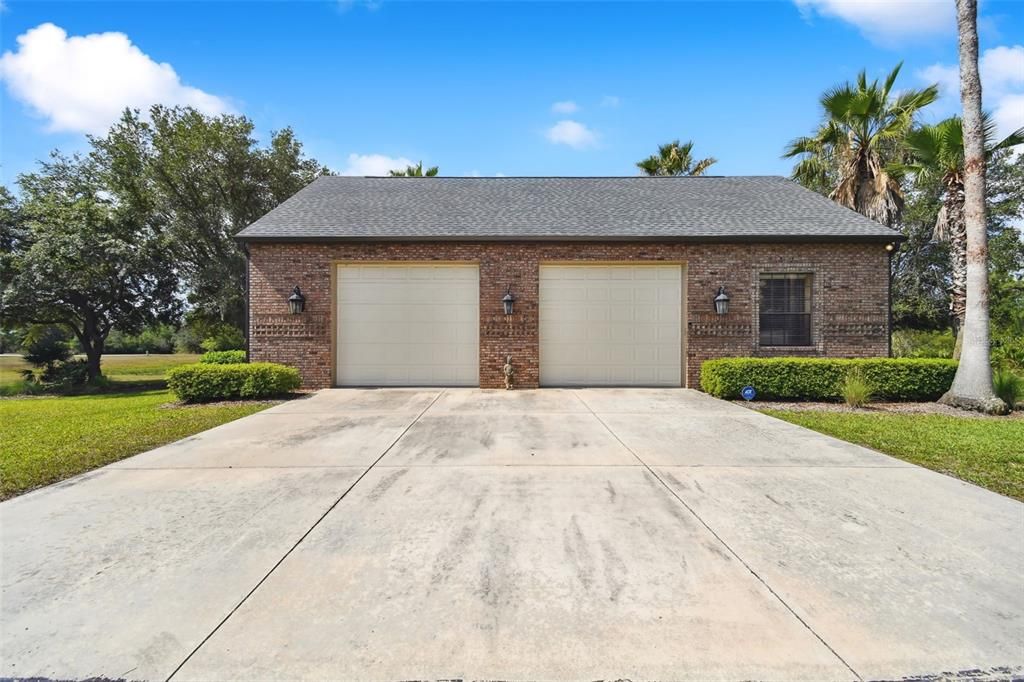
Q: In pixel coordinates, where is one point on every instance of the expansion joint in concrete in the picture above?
(304, 536)
(732, 551)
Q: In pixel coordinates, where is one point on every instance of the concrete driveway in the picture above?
(556, 534)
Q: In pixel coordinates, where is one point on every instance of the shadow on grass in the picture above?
(112, 389)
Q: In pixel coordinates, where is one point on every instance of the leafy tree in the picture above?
(674, 159)
(920, 267)
(202, 179)
(12, 234)
(414, 172)
(972, 385)
(1005, 184)
(86, 262)
(937, 155)
(851, 153)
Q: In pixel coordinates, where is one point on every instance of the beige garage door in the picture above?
(408, 325)
(611, 325)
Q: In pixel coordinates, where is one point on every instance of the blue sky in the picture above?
(530, 88)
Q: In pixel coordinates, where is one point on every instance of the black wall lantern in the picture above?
(508, 300)
(296, 302)
(722, 301)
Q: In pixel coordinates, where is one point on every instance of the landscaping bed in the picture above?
(875, 408)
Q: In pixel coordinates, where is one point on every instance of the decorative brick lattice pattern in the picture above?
(850, 292)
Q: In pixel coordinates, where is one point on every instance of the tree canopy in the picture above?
(674, 159)
(143, 225)
(202, 179)
(85, 261)
(414, 172)
(851, 154)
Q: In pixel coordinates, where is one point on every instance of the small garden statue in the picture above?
(508, 372)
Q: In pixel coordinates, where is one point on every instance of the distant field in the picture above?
(119, 368)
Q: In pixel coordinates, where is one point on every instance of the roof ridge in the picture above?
(567, 207)
(557, 177)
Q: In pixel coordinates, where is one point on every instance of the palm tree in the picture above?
(972, 385)
(414, 172)
(849, 155)
(674, 159)
(937, 154)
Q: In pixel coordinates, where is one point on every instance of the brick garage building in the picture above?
(614, 280)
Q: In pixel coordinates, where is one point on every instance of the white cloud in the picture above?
(886, 21)
(1008, 114)
(1002, 85)
(374, 164)
(948, 77)
(370, 5)
(572, 134)
(83, 83)
(610, 101)
(1003, 66)
(566, 107)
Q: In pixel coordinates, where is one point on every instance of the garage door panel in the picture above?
(611, 325)
(408, 325)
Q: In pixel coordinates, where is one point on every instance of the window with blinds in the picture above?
(785, 311)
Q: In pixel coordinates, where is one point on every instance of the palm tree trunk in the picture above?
(957, 234)
(972, 385)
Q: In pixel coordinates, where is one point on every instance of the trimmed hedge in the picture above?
(204, 382)
(899, 379)
(223, 357)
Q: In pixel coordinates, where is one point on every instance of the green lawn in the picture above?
(119, 368)
(987, 452)
(43, 440)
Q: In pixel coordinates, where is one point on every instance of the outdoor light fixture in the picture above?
(508, 300)
(296, 302)
(722, 301)
(890, 246)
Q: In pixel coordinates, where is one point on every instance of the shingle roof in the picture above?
(627, 208)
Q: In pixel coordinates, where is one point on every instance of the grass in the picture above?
(987, 452)
(44, 440)
(47, 439)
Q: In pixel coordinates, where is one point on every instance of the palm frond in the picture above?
(703, 165)
(1012, 140)
(890, 79)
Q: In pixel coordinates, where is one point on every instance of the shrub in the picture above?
(158, 338)
(204, 382)
(856, 390)
(224, 337)
(223, 357)
(66, 375)
(46, 346)
(918, 343)
(1009, 387)
(1008, 348)
(822, 378)
(188, 340)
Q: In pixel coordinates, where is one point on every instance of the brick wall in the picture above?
(850, 297)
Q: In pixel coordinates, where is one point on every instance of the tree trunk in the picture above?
(972, 385)
(92, 356)
(957, 260)
(92, 344)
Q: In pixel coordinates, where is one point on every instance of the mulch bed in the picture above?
(875, 408)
